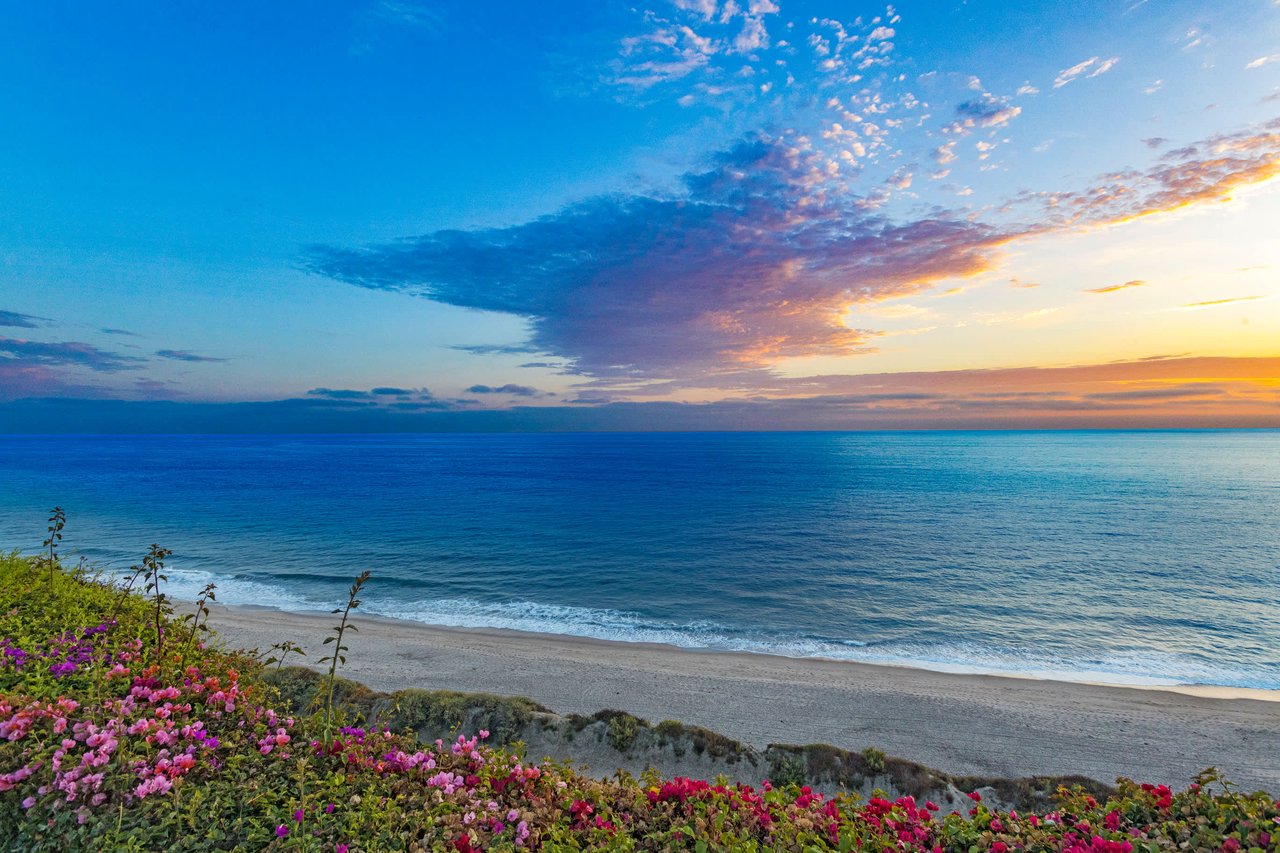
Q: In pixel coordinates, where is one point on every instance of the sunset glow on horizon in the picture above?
(779, 214)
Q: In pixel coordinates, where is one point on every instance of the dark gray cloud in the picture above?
(20, 321)
(186, 355)
(64, 354)
(755, 261)
(340, 394)
(393, 392)
(510, 388)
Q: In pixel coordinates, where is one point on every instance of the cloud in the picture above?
(406, 14)
(340, 394)
(124, 333)
(510, 388)
(20, 321)
(1160, 392)
(495, 349)
(1017, 282)
(1104, 66)
(1210, 170)
(1137, 282)
(1263, 60)
(1099, 66)
(1155, 142)
(1215, 302)
(757, 260)
(186, 355)
(14, 351)
(393, 392)
(986, 111)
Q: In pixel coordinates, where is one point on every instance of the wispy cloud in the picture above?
(1212, 303)
(340, 394)
(1159, 391)
(1137, 282)
(510, 389)
(1066, 75)
(1096, 66)
(1210, 170)
(65, 354)
(1263, 60)
(186, 355)
(20, 321)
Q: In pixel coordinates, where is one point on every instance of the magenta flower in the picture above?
(282, 831)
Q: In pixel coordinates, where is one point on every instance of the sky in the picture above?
(680, 214)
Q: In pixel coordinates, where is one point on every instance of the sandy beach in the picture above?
(961, 724)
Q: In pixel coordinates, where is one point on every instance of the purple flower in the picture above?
(282, 831)
(297, 816)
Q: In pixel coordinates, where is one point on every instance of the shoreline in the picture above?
(981, 724)
(1206, 691)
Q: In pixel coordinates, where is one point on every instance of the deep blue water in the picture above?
(1125, 556)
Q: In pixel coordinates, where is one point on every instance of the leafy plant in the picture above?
(57, 521)
(285, 648)
(874, 759)
(153, 568)
(202, 610)
(338, 655)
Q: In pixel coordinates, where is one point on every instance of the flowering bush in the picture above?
(107, 742)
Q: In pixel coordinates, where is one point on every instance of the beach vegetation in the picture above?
(112, 738)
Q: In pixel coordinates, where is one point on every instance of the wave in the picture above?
(1149, 668)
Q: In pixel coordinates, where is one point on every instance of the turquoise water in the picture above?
(1137, 557)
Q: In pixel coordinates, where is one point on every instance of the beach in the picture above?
(958, 723)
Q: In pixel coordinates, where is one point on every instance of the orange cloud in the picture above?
(1213, 302)
(1137, 282)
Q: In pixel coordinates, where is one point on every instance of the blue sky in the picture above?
(853, 208)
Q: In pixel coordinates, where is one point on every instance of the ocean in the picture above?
(1143, 557)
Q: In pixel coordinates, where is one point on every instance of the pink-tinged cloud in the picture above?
(1137, 282)
(759, 259)
(1210, 170)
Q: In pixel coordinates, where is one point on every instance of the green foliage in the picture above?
(623, 729)
(339, 653)
(111, 739)
(788, 769)
(873, 759)
(442, 713)
(153, 571)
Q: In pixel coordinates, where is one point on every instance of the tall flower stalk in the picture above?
(153, 568)
(57, 521)
(339, 649)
